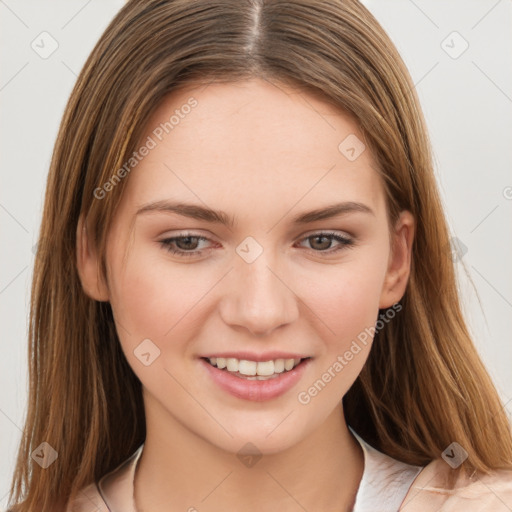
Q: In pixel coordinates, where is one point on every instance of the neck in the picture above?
(179, 470)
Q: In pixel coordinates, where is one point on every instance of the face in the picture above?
(260, 280)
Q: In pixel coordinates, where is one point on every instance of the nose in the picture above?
(258, 297)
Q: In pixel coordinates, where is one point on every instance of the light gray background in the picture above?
(467, 102)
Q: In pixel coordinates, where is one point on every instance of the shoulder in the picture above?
(114, 491)
(88, 499)
(431, 491)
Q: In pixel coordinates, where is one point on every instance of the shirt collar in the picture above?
(384, 484)
(385, 481)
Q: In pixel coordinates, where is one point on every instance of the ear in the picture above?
(88, 265)
(399, 266)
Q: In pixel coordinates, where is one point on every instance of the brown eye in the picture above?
(186, 245)
(322, 242)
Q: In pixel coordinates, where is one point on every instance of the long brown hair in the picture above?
(423, 386)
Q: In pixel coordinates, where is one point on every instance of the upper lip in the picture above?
(260, 357)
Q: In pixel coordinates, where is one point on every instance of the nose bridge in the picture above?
(258, 297)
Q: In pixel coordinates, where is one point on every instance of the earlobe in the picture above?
(88, 265)
(399, 267)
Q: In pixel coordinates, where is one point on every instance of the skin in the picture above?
(262, 153)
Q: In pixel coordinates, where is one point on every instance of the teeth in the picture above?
(264, 367)
(253, 368)
(288, 364)
(260, 377)
(279, 366)
(248, 367)
(232, 364)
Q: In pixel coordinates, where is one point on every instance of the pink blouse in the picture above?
(387, 485)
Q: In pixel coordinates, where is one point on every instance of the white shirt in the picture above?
(383, 487)
(387, 485)
(385, 481)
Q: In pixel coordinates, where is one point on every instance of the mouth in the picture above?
(255, 370)
(243, 380)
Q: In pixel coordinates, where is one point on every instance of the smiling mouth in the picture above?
(252, 370)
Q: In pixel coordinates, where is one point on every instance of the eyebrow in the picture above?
(195, 211)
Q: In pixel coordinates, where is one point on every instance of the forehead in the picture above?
(250, 143)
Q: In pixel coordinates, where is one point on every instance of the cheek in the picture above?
(346, 304)
(139, 299)
(154, 298)
(345, 297)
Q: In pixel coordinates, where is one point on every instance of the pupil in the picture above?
(186, 242)
(319, 237)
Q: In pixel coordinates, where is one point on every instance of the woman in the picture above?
(244, 297)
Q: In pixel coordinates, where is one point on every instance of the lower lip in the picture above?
(256, 390)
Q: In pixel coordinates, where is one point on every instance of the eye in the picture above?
(321, 242)
(186, 245)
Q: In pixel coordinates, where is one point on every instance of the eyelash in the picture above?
(167, 243)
